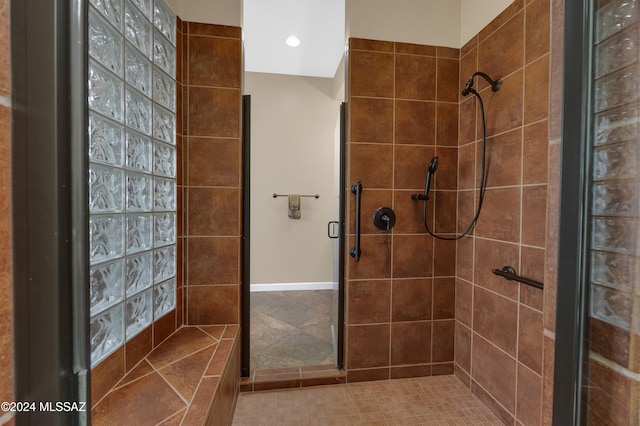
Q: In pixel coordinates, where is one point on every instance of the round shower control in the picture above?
(384, 218)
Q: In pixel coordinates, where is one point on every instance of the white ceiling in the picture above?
(319, 24)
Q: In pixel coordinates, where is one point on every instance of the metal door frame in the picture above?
(246, 235)
(50, 208)
(572, 291)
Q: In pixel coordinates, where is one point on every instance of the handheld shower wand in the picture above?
(433, 165)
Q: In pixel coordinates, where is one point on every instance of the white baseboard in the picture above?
(292, 286)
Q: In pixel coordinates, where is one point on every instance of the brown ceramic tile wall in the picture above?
(6, 281)
(499, 323)
(210, 184)
(403, 110)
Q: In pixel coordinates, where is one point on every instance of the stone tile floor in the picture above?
(437, 400)
(291, 329)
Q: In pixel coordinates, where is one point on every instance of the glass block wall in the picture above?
(132, 169)
(615, 204)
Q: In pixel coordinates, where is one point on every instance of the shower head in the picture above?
(433, 165)
(468, 88)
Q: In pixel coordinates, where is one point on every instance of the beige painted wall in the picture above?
(435, 22)
(293, 122)
(447, 23)
(476, 14)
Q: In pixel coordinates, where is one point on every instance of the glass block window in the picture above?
(615, 146)
(132, 169)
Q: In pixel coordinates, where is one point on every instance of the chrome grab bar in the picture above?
(356, 189)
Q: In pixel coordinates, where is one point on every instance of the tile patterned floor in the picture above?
(437, 400)
(291, 329)
(174, 384)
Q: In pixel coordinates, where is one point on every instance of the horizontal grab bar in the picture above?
(286, 195)
(509, 273)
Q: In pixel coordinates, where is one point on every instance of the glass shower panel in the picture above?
(131, 135)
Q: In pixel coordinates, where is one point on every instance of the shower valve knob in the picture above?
(384, 218)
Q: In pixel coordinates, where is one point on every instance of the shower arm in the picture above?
(468, 88)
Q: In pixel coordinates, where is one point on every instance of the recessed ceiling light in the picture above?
(292, 41)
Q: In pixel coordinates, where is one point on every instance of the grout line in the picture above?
(493, 398)
(520, 363)
(171, 385)
(213, 36)
(209, 334)
(161, 422)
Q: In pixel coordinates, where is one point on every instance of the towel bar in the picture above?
(286, 195)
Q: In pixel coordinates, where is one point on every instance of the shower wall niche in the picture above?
(132, 169)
